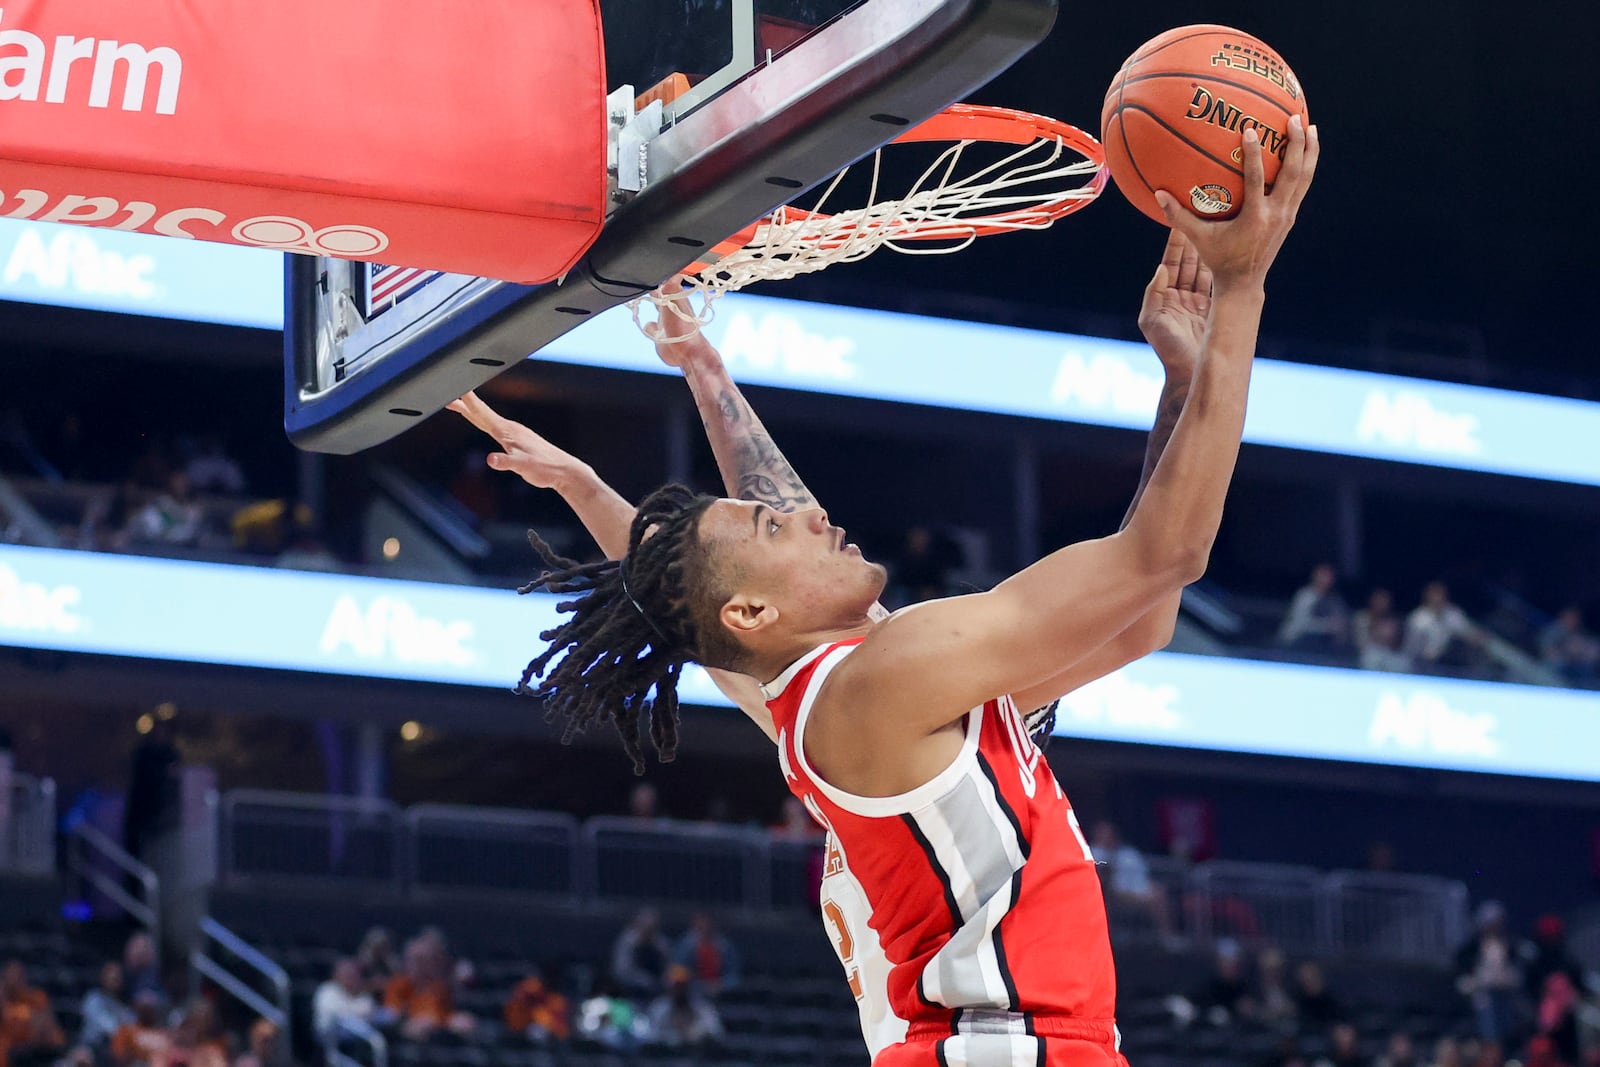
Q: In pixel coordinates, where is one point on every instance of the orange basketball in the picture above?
(1176, 112)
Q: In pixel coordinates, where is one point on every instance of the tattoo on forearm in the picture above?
(1173, 395)
(760, 470)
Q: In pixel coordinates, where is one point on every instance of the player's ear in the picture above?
(747, 614)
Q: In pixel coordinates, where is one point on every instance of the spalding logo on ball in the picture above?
(1176, 111)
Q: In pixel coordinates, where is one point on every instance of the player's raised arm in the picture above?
(750, 462)
(1172, 317)
(928, 665)
(604, 512)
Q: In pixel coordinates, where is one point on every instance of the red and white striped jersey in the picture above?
(972, 897)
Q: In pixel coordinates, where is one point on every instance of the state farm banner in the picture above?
(465, 137)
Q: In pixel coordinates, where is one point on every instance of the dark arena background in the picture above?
(258, 744)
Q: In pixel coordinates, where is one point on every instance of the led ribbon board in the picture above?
(415, 631)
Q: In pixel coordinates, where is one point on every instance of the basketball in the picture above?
(1176, 111)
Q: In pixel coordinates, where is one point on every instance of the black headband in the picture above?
(622, 569)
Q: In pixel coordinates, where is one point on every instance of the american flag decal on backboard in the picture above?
(387, 286)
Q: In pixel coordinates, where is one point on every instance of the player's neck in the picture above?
(767, 666)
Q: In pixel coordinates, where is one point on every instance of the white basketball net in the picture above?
(943, 213)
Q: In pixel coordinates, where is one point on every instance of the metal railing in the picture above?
(491, 850)
(434, 849)
(313, 838)
(348, 1030)
(1259, 902)
(676, 863)
(1396, 916)
(100, 863)
(31, 840)
(254, 964)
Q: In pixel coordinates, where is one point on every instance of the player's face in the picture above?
(802, 562)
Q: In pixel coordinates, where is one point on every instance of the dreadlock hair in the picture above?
(635, 624)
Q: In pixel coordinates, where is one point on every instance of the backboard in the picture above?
(768, 99)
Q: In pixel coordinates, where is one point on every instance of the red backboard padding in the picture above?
(468, 137)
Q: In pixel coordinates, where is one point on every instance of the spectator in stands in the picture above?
(610, 1019)
(421, 995)
(1344, 1048)
(143, 1042)
(1401, 1052)
(153, 798)
(345, 995)
(1439, 634)
(538, 1011)
(377, 958)
(140, 972)
(1566, 646)
(710, 958)
(29, 1034)
(1377, 634)
(681, 1016)
(1548, 955)
(1318, 619)
(1274, 1002)
(644, 802)
(173, 517)
(1489, 974)
(1224, 996)
(1316, 1005)
(262, 1046)
(640, 955)
(104, 1011)
(1447, 1053)
(1126, 876)
(211, 470)
(1556, 1016)
(197, 1041)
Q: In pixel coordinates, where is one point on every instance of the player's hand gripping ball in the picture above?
(1177, 110)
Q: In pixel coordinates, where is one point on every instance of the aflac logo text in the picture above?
(1424, 721)
(29, 606)
(1408, 419)
(1120, 701)
(389, 628)
(779, 342)
(1105, 384)
(73, 260)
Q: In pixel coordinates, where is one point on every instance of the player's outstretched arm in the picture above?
(926, 666)
(1172, 318)
(604, 512)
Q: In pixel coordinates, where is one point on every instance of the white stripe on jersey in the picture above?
(880, 1026)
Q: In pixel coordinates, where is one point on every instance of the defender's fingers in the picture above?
(1189, 268)
(1172, 255)
(479, 414)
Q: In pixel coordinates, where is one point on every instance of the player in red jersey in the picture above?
(958, 889)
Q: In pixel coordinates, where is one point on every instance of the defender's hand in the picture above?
(535, 460)
(676, 331)
(1176, 303)
(1241, 249)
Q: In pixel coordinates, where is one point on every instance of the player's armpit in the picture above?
(1151, 633)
